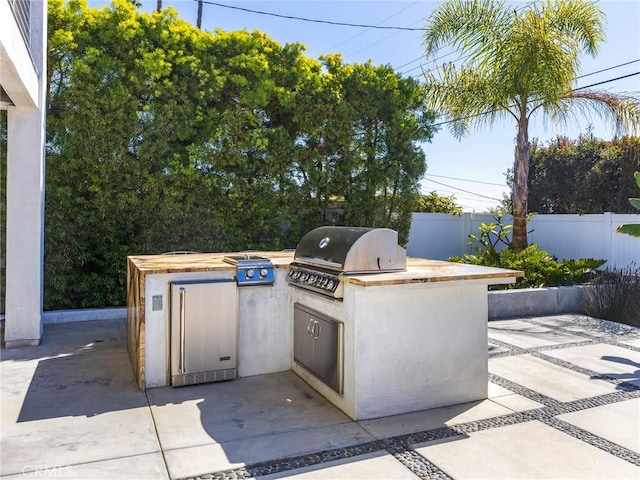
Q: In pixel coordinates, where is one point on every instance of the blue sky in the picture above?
(485, 155)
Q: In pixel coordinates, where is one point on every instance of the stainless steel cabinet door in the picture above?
(204, 331)
(327, 351)
(318, 345)
(302, 339)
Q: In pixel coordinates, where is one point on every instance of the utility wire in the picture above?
(446, 122)
(365, 31)
(607, 81)
(581, 76)
(465, 180)
(312, 20)
(610, 68)
(449, 193)
(462, 190)
(377, 41)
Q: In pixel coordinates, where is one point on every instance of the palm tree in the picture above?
(519, 61)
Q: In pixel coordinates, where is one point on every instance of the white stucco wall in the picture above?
(25, 176)
(419, 347)
(407, 347)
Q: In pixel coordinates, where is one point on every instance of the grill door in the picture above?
(318, 345)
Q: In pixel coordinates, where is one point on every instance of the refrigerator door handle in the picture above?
(183, 293)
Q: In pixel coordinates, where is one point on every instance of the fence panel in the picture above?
(625, 248)
(436, 236)
(439, 236)
(570, 236)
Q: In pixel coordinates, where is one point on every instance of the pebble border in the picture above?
(401, 447)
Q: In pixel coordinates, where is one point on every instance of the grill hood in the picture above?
(352, 250)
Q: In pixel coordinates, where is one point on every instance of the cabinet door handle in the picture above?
(183, 294)
(317, 329)
(310, 327)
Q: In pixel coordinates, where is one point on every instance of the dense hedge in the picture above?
(587, 175)
(163, 137)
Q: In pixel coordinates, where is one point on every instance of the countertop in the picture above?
(200, 262)
(419, 270)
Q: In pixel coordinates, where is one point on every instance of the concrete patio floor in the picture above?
(564, 402)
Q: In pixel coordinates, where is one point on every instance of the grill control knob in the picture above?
(263, 273)
(250, 273)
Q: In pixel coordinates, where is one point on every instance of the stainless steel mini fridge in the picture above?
(204, 331)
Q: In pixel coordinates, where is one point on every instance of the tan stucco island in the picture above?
(410, 340)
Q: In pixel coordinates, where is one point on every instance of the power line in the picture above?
(420, 66)
(365, 31)
(608, 81)
(313, 20)
(463, 190)
(465, 180)
(578, 77)
(610, 68)
(377, 41)
(449, 193)
(446, 122)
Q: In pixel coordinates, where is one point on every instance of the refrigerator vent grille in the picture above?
(203, 377)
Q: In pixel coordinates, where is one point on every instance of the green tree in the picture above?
(586, 175)
(164, 137)
(126, 99)
(434, 203)
(518, 62)
(362, 152)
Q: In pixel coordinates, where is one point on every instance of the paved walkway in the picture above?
(564, 403)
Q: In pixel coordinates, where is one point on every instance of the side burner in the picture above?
(251, 269)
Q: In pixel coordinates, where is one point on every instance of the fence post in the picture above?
(607, 231)
(466, 228)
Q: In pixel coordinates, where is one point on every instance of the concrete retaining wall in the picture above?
(85, 315)
(529, 302)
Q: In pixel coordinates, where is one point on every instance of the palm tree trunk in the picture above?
(521, 185)
(199, 19)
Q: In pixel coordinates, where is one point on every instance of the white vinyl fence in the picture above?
(439, 236)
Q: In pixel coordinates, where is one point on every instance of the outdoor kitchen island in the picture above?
(410, 340)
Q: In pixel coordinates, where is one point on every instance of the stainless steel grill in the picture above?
(325, 254)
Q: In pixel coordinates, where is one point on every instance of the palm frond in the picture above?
(471, 27)
(581, 21)
(620, 109)
(465, 98)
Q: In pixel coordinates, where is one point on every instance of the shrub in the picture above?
(633, 229)
(540, 269)
(615, 295)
